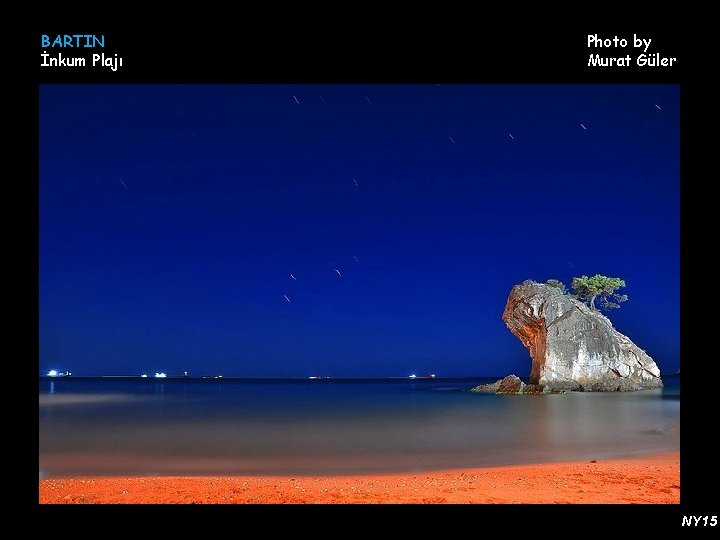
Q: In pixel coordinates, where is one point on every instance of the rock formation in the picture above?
(512, 385)
(574, 347)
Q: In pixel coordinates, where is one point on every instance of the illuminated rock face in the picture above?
(572, 346)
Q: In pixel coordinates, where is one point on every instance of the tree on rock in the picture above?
(588, 289)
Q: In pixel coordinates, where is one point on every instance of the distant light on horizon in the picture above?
(144, 375)
(52, 373)
(160, 375)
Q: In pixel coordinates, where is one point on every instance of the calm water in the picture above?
(96, 426)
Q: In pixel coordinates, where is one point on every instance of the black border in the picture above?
(417, 54)
(484, 51)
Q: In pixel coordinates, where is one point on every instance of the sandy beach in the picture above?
(647, 479)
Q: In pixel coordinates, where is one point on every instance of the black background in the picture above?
(362, 44)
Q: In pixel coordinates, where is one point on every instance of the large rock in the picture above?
(574, 347)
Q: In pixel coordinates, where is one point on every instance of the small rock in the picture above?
(491, 388)
(510, 385)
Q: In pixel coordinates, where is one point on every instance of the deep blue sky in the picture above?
(171, 218)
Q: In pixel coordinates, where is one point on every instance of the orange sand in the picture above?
(648, 479)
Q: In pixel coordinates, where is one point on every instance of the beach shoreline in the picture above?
(652, 478)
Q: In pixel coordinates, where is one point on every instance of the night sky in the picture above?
(172, 218)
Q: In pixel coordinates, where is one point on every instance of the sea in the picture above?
(94, 426)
